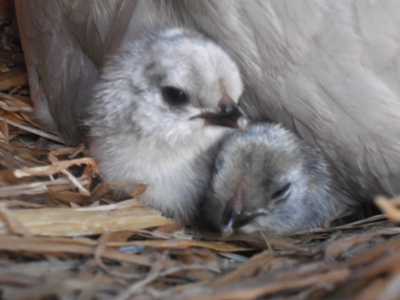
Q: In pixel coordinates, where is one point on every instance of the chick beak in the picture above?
(235, 214)
(228, 114)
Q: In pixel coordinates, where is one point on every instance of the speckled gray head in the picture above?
(268, 179)
(160, 102)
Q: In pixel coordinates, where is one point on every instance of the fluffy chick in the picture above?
(268, 179)
(161, 101)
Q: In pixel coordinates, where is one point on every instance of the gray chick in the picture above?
(267, 178)
(160, 102)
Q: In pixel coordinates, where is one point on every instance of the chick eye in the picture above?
(282, 192)
(174, 96)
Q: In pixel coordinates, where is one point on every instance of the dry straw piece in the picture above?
(83, 221)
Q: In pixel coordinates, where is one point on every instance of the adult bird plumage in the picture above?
(327, 70)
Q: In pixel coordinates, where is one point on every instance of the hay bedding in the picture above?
(64, 236)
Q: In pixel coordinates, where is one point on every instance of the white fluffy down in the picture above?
(137, 137)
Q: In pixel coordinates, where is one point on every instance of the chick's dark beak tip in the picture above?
(230, 117)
